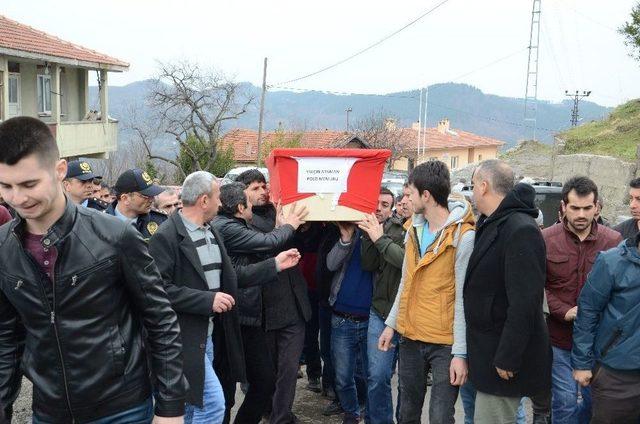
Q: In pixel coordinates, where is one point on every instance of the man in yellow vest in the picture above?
(428, 311)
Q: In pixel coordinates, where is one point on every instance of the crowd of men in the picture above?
(139, 303)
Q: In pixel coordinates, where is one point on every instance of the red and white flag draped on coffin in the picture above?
(334, 184)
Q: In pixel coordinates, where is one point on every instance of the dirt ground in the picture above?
(308, 405)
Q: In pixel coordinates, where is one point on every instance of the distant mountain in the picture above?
(467, 108)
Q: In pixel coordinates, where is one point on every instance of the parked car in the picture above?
(548, 198)
(231, 176)
(394, 181)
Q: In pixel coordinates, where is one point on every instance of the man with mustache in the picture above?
(572, 246)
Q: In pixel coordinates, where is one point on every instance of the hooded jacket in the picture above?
(503, 294)
(606, 328)
(428, 306)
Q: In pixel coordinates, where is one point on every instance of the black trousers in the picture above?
(311, 340)
(286, 347)
(615, 396)
(261, 375)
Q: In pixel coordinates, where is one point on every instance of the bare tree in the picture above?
(380, 131)
(192, 105)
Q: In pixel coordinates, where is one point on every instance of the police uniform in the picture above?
(136, 180)
(82, 171)
(97, 204)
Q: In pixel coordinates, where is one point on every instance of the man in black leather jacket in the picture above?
(248, 246)
(77, 288)
(285, 302)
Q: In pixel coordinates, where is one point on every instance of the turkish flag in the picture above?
(362, 169)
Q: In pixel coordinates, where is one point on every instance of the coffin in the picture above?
(334, 184)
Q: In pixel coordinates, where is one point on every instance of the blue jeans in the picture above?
(212, 411)
(381, 365)
(468, 396)
(566, 408)
(349, 353)
(141, 414)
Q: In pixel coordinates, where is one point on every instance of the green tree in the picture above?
(631, 32)
(194, 156)
(281, 140)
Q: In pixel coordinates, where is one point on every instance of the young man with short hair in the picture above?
(630, 228)
(572, 246)
(428, 311)
(78, 290)
(606, 340)
(382, 254)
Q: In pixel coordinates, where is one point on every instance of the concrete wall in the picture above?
(610, 174)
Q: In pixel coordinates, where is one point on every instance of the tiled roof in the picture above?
(23, 38)
(452, 139)
(245, 142)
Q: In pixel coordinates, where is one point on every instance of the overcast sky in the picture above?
(580, 49)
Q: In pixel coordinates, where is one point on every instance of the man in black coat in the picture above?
(202, 286)
(285, 301)
(507, 340)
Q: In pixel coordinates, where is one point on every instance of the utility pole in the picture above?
(264, 92)
(577, 96)
(348, 110)
(531, 92)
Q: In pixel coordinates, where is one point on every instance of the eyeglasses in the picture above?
(148, 198)
(95, 181)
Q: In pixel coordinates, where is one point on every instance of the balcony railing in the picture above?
(86, 138)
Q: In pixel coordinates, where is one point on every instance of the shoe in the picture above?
(300, 374)
(314, 385)
(329, 393)
(333, 408)
(350, 419)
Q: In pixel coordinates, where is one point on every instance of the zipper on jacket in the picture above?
(614, 337)
(52, 315)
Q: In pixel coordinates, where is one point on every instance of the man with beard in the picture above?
(572, 246)
(284, 307)
(630, 228)
(135, 192)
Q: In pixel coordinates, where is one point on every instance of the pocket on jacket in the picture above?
(558, 267)
(479, 313)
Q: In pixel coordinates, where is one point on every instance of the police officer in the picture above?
(79, 183)
(134, 197)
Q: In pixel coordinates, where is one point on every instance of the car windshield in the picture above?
(396, 188)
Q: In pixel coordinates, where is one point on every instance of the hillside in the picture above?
(618, 135)
(467, 107)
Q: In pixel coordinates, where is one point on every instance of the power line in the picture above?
(509, 56)
(366, 49)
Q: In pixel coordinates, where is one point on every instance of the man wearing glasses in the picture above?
(135, 192)
(79, 183)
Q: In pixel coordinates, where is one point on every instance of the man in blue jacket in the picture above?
(606, 340)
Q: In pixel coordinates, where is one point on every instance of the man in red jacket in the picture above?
(572, 246)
